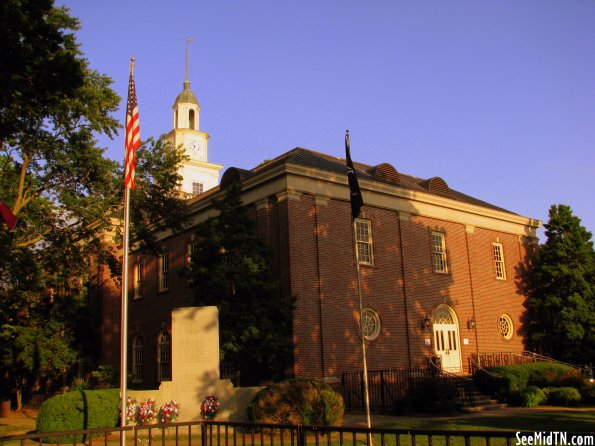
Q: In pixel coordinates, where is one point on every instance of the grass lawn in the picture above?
(532, 420)
(535, 419)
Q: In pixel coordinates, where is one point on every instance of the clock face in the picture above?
(195, 147)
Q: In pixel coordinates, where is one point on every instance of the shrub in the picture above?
(298, 401)
(82, 409)
(105, 377)
(588, 392)
(434, 395)
(563, 396)
(531, 396)
(502, 381)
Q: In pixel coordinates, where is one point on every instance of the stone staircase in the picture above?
(471, 399)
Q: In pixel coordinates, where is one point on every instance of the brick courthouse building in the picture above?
(439, 268)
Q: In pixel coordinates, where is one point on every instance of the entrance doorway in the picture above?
(446, 339)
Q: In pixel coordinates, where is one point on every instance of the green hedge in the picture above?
(531, 396)
(504, 381)
(81, 409)
(299, 401)
(563, 396)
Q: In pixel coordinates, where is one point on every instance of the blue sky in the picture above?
(496, 97)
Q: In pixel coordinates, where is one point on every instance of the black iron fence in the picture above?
(390, 388)
(214, 433)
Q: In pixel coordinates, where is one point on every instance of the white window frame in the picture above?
(364, 242)
(164, 356)
(138, 369)
(190, 247)
(197, 188)
(372, 325)
(498, 256)
(164, 268)
(506, 327)
(139, 277)
(438, 242)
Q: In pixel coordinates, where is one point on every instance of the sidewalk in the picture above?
(19, 422)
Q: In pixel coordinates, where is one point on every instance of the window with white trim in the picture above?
(138, 351)
(190, 248)
(139, 276)
(363, 238)
(498, 255)
(439, 252)
(164, 271)
(371, 324)
(197, 188)
(164, 356)
(506, 327)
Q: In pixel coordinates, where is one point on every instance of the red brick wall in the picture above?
(401, 286)
(313, 258)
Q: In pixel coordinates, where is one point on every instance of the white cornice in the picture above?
(295, 179)
(320, 182)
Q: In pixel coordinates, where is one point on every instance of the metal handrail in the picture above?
(583, 369)
(480, 367)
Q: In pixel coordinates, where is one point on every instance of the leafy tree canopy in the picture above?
(55, 178)
(231, 270)
(560, 285)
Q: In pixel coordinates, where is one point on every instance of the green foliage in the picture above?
(302, 402)
(82, 409)
(434, 395)
(155, 202)
(588, 392)
(563, 396)
(55, 178)
(231, 270)
(105, 376)
(504, 380)
(559, 283)
(531, 396)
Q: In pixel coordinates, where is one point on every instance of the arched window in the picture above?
(164, 356)
(191, 120)
(138, 370)
(444, 315)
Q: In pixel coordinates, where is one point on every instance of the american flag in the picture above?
(132, 135)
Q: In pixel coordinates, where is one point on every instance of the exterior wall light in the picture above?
(471, 324)
(425, 323)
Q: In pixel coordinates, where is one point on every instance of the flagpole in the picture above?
(131, 143)
(124, 314)
(355, 197)
(363, 338)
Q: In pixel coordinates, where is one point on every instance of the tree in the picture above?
(55, 178)
(231, 270)
(560, 284)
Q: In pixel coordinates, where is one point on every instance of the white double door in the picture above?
(446, 346)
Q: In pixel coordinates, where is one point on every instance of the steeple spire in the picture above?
(186, 81)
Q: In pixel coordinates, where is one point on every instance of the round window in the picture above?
(506, 327)
(371, 326)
